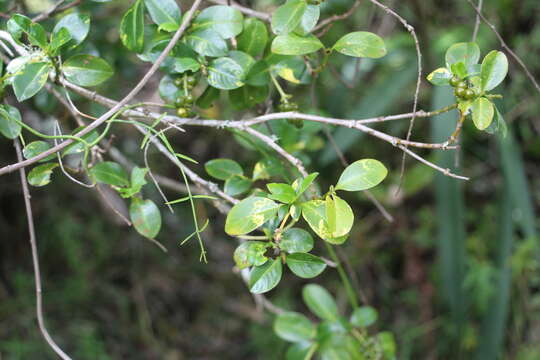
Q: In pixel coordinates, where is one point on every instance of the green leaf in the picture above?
(339, 216)
(305, 265)
(361, 44)
(225, 74)
(249, 214)
(294, 327)
(253, 38)
(248, 96)
(466, 52)
(208, 97)
(295, 240)
(292, 44)
(387, 343)
(207, 43)
(251, 253)
(320, 302)
(223, 169)
(482, 113)
(309, 20)
(20, 24)
(498, 126)
(265, 277)
(164, 13)
(363, 316)
(168, 90)
(30, 80)
(137, 182)
(288, 16)
(41, 174)
(8, 126)
(132, 27)
(282, 192)
(78, 26)
(237, 185)
(145, 216)
(111, 173)
(362, 175)
(225, 20)
(459, 69)
(78, 147)
(86, 70)
(440, 76)
(494, 70)
(301, 185)
(35, 148)
(315, 214)
(299, 351)
(59, 39)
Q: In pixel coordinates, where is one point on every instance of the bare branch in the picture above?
(477, 22)
(243, 9)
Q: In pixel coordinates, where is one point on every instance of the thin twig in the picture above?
(243, 9)
(334, 18)
(35, 260)
(477, 22)
(56, 8)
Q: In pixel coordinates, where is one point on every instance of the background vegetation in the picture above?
(454, 276)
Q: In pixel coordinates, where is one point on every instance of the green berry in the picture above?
(179, 81)
(191, 80)
(460, 92)
(182, 112)
(469, 94)
(455, 81)
(298, 123)
(189, 99)
(462, 84)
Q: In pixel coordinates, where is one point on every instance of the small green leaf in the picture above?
(253, 38)
(111, 173)
(387, 343)
(265, 277)
(224, 20)
(363, 316)
(301, 185)
(59, 39)
(498, 126)
(30, 79)
(164, 13)
(309, 20)
(8, 126)
(482, 113)
(293, 44)
(249, 214)
(282, 192)
(251, 253)
(494, 70)
(223, 169)
(320, 302)
(207, 43)
(294, 327)
(41, 174)
(237, 185)
(248, 96)
(459, 69)
(77, 25)
(300, 351)
(288, 16)
(77, 147)
(315, 214)
(295, 240)
(361, 44)
(86, 70)
(20, 24)
(305, 265)
(132, 27)
(440, 76)
(466, 52)
(145, 216)
(35, 148)
(339, 215)
(362, 175)
(137, 182)
(225, 74)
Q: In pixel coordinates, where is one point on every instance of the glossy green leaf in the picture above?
(35, 148)
(207, 42)
(362, 175)
(498, 125)
(320, 302)
(19, 24)
(223, 169)
(253, 38)
(459, 69)
(41, 174)
(387, 343)
(225, 20)
(265, 277)
(315, 214)
(225, 74)
(482, 113)
(132, 27)
(59, 39)
(164, 13)
(237, 185)
(249, 214)
(137, 181)
(30, 80)
(466, 52)
(86, 70)
(305, 265)
(248, 96)
(78, 147)
(168, 90)
(295, 240)
(288, 16)
(78, 26)
(309, 20)
(294, 327)
(293, 44)
(111, 173)
(494, 70)
(361, 44)
(8, 126)
(440, 76)
(281, 192)
(299, 351)
(251, 253)
(301, 185)
(339, 217)
(145, 216)
(363, 316)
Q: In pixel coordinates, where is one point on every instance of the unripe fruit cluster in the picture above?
(291, 106)
(184, 103)
(462, 89)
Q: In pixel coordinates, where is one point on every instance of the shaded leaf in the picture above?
(361, 44)
(265, 277)
(223, 169)
(251, 253)
(294, 327)
(30, 79)
(288, 16)
(86, 70)
(8, 126)
(295, 240)
(249, 214)
(305, 265)
(320, 302)
(111, 173)
(145, 217)
(132, 27)
(41, 174)
(253, 38)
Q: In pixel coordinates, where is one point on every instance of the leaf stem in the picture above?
(343, 275)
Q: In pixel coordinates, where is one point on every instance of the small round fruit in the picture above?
(182, 112)
(284, 107)
(460, 92)
(189, 99)
(179, 81)
(469, 94)
(191, 80)
(293, 107)
(455, 81)
(462, 84)
(298, 123)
